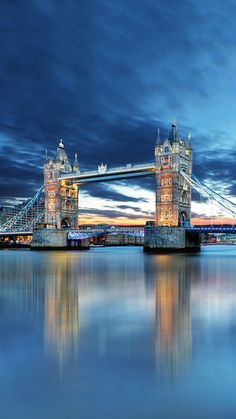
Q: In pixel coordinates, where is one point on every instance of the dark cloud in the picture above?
(100, 190)
(112, 214)
(104, 75)
(216, 169)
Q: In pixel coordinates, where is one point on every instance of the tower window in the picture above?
(166, 198)
(51, 193)
(166, 181)
(166, 149)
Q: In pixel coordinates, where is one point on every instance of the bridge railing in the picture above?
(223, 203)
(127, 167)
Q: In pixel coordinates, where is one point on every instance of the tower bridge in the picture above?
(62, 181)
(57, 213)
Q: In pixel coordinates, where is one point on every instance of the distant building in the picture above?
(123, 239)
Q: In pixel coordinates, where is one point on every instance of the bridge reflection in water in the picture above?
(61, 325)
(119, 302)
(173, 317)
(116, 322)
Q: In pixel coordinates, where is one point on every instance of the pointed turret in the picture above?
(61, 157)
(158, 137)
(46, 155)
(75, 164)
(188, 149)
(173, 134)
(61, 145)
(189, 144)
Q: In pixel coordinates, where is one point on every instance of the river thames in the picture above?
(115, 333)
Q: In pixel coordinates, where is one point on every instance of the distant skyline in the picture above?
(104, 76)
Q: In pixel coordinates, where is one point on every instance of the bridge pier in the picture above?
(53, 239)
(170, 240)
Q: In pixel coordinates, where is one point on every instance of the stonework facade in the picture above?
(170, 239)
(61, 196)
(173, 193)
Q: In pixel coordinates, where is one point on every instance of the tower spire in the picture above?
(61, 145)
(158, 136)
(189, 145)
(75, 164)
(173, 134)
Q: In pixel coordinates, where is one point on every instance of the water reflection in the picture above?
(61, 309)
(133, 319)
(110, 294)
(173, 318)
(113, 299)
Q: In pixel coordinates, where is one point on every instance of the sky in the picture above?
(103, 76)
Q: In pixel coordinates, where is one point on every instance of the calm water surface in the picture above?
(114, 333)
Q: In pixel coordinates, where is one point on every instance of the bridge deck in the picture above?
(212, 229)
(104, 174)
(133, 229)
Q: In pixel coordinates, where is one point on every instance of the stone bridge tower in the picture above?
(173, 193)
(61, 197)
(173, 198)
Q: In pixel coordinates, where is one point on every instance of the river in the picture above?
(115, 333)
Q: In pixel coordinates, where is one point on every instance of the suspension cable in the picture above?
(19, 217)
(207, 192)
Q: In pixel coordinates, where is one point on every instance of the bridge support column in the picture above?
(170, 240)
(53, 239)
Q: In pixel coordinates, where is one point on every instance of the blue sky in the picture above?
(104, 76)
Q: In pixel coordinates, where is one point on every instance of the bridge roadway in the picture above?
(115, 173)
(140, 230)
(212, 229)
(89, 231)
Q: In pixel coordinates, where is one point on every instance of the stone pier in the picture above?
(170, 240)
(53, 239)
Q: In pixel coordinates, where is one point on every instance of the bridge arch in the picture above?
(66, 222)
(183, 219)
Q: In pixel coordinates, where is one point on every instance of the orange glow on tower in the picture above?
(173, 193)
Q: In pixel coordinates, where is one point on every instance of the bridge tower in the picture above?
(173, 193)
(61, 197)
